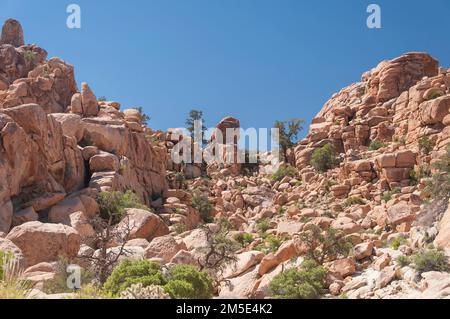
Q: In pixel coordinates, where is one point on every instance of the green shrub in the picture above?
(376, 145)
(306, 283)
(351, 201)
(438, 186)
(263, 225)
(325, 244)
(204, 206)
(435, 94)
(403, 260)
(102, 99)
(430, 260)
(397, 242)
(244, 239)
(113, 204)
(425, 145)
(180, 282)
(133, 272)
(283, 171)
(186, 282)
(29, 56)
(324, 158)
(179, 228)
(387, 196)
(275, 242)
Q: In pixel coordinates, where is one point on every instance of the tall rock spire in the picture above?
(12, 33)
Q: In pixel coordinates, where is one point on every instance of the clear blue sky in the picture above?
(257, 60)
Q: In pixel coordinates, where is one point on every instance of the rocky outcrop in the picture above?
(12, 33)
(45, 242)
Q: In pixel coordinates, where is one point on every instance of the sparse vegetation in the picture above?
(196, 115)
(144, 117)
(376, 145)
(397, 242)
(102, 99)
(430, 260)
(325, 244)
(352, 201)
(30, 57)
(244, 239)
(324, 158)
(263, 225)
(283, 171)
(425, 145)
(220, 250)
(288, 133)
(403, 260)
(114, 204)
(59, 283)
(387, 196)
(435, 94)
(308, 282)
(204, 206)
(12, 286)
(438, 187)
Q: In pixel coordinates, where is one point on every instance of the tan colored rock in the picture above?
(405, 159)
(240, 287)
(80, 222)
(24, 215)
(289, 227)
(385, 160)
(434, 111)
(89, 101)
(164, 247)
(344, 267)
(45, 242)
(345, 224)
(443, 238)
(363, 250)
(400, 213)
(104, 162)
(6, 216)
(287, 250)
(143, 224)
(61, 212)
(244, 261)
(382, 262)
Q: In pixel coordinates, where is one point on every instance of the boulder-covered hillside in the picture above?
(358, 208)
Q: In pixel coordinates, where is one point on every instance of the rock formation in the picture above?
(60, 148)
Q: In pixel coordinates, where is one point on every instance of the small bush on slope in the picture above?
(324, 158)
(204, 206)
(113, 204)
(283, 171)
(430, 260)
(308, 282)
(133, 272)
(376, 145)
(180, 282)
(186, 282)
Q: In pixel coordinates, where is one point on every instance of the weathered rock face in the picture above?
(12, 33)
(41, 161)
(45, 242)
(366, 111)
(223, 148)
